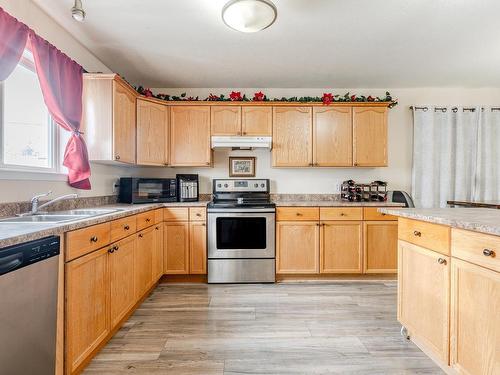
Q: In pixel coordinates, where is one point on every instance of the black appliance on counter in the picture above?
(147, 190)
(188, 188)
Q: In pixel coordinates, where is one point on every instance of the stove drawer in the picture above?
(241, 271)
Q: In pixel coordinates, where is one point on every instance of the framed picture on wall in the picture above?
(241, 166)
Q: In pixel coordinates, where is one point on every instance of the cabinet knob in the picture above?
(298, 214)
(244, 133)
(141, 235)
(442, 261)
(342, 214)
(93, 239)
(417, 233)
(203, 225)
(117, 157)
(488, 253)
(126, 227)
(355, 164)
(111, 250)
(148, 220)
(208, 163)
(116, 248)
(157, 228)
(198, 214)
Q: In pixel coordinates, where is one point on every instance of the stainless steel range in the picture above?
(241, 232)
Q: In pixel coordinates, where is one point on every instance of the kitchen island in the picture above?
(449, 285)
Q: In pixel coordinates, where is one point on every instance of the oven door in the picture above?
(248, 233)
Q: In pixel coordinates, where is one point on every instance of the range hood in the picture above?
(241, 142)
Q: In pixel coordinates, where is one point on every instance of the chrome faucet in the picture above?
(35, 200)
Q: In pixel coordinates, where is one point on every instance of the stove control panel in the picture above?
(241, 185)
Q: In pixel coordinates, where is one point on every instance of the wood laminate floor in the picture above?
(305, 328)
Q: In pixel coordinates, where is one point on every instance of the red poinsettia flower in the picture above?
(148, 93)
(258, 96)
(353, 98)
(235, 96)
(327, 98)
(370, 99)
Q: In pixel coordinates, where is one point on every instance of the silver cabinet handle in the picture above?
(442, 261)
(488, 253)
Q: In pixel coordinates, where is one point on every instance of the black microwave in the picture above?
(147, 190)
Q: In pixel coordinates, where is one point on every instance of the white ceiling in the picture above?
(313, 44)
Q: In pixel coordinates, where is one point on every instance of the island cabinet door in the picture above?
(144, 261)
(423, 297)
(292, 136)
(340, 247)
(87, 306)
(121, 271)
(297, 247)
(475, 323)
(332, 135)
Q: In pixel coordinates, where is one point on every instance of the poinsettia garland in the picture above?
(236, 96)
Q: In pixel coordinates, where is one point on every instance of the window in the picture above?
(30, 140)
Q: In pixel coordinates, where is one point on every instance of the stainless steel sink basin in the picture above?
(46, 219)
(60, 216)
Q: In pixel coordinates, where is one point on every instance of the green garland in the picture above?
(327, 98)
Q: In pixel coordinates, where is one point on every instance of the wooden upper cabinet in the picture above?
(370, 136)
(225, 120)
(332, 136)
(292, 136)
(475, 327)
(109, 118)
(152, 133)
(423, 297)
(190, 136)
(297, 247)
(257, 121)
(340, 247)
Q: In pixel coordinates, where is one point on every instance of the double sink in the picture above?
(59, 216)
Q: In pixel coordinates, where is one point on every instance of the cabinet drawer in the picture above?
(145, 219)
(371, 213)
(297, 213)
(477, 248)
(431, 236)
(123, 227)
(197, 214)
(341, 213)
(83, 241)
(158, 215)
(175, 214)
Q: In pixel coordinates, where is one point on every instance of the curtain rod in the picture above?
(454, 109)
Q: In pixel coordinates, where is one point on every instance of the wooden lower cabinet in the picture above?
(158, 252)
(87, 306)
(144, 261)
(122, 284)
(423, 297)
(380, 243)
(475, 327)
(297, 247)
(176, 248)
(197, 248)
(340, 247)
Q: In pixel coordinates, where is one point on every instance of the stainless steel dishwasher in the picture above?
(28, 307)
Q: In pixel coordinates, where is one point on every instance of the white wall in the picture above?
(17, 187)
(325, 180)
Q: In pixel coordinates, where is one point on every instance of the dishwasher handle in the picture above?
(10, 262)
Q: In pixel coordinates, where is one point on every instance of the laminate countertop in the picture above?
(14, 233)
(482, 220)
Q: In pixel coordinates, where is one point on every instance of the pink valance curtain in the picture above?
(61, 80)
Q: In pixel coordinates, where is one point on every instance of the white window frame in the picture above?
(22, 172)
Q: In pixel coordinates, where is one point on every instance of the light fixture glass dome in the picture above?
(249, 16)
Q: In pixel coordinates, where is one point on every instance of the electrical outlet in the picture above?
(116, 186)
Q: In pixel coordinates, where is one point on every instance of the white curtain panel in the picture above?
(487, 184)
(444, 155)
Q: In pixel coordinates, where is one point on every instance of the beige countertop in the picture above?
(14, 233)
(333, 203)
(484, 220)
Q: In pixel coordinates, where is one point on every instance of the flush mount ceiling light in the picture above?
(77, 11)
(249, 16)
